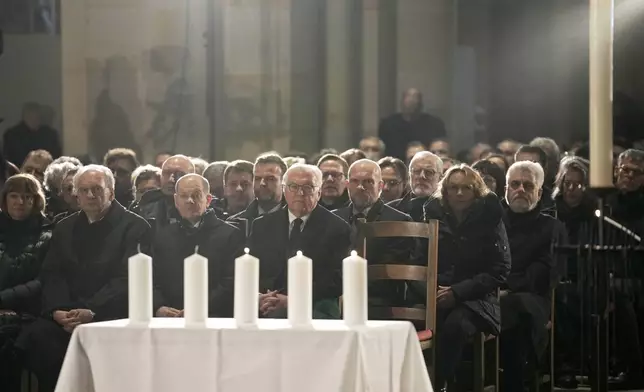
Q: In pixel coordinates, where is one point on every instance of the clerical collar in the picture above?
(292, 217)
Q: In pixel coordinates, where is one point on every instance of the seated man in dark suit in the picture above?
(199, 227)
(158, 205)
(84, 275)
(267, 186)
(301, 225)
(525, 296)
(425, 170)
(365, 186)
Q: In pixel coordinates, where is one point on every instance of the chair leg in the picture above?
(478, 362)
(497, 367)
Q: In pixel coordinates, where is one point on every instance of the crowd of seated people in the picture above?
(68, 229)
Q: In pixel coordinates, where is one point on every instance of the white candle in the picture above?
(246, 289)
(300, 290)
(601, 93)
(195, 289)
(354, 287)
(140, 288)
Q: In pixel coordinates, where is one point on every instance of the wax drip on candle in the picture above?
(246, 250)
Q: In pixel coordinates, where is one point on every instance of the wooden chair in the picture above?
(405, 272)
(478, 360)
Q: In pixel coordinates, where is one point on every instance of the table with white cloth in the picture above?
(271, 357)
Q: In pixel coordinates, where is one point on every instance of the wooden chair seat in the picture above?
(425, 338)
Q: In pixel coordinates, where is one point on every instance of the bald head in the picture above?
(172, 170)
(190, 180)
(192, 197)
(365, 184)
(366, 165)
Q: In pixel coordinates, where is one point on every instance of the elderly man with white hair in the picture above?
(301, 225)
(84, 275)
(525, 297)
(425, 171)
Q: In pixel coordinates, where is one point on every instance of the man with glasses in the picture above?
(334, 187)
(425, 171)
(158, 205)
(525, 296)
(198, 227)
(84, 275)
(302, 225)
(267, 187)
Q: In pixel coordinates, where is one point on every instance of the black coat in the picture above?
(397, 133)
(157, 208)
(384, 251)
(474, 256)
(244, 220)
(218, 241)
(410, 205)
(339, 202)
(23, 247)
(325, 239)
(87, 264)
(19, 141)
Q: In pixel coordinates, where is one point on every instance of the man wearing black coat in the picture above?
(199, 229)
(84, 276)
(425, 171)
(301, 225)
(365, 186)
(526, 295)
(267, 187)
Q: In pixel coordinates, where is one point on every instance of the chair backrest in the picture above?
(402, 270)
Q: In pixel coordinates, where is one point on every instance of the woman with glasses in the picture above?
(473, 262)
(24, 240)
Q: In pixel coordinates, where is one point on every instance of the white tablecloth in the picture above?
(116, 357)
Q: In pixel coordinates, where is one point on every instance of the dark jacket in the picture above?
(244, 220)
(384, 251)
(23, 246)
(410, 205)
(87, 264)
(474, 256)
(157, 208)
(325, 239)
(341, 201)
(218, 241)
(19, 141)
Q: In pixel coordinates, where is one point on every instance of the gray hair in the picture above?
(313, 170)
(637, 156)
(107, 173)
(427, 154)
(56, 173)
(548, 145)
(200, 165)
(527, 166)
(66, 158)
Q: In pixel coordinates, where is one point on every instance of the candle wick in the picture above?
(197, 249)
(138, 247)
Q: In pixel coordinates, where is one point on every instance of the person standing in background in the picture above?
(30, 134)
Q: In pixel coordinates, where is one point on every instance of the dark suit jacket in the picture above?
(244, 220)
(385, 251)
(218, 241)
(325, 239)
(410, 205)
(98, 283)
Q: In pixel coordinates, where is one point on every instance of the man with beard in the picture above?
(302, 225)
(267, 186)
(122, 162)
(84, 276)
(216, 240)
(536, 154)
(334, 187)
(158, 205)
(526, 294)
(238, 190)
(365, 185)
(425, 170)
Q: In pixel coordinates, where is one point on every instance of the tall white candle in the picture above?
(246, 289)
(354, 287)
(601, 93)
(139, 283)
(300, 290)
(195, 289)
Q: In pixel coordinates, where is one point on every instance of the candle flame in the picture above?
(597, 213)
(299, 253)
(354, 253)
(246, 250)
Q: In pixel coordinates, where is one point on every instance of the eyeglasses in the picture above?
(335, 176)
(429, 173)
(96, 190)
(527, 185)
(306, 189)
(392, 183)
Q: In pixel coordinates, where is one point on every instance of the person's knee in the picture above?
(458, 326)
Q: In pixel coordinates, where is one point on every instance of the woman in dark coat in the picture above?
(24, 241)
(474, 261)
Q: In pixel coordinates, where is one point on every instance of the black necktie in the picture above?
(354, 229)
(296, 236)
